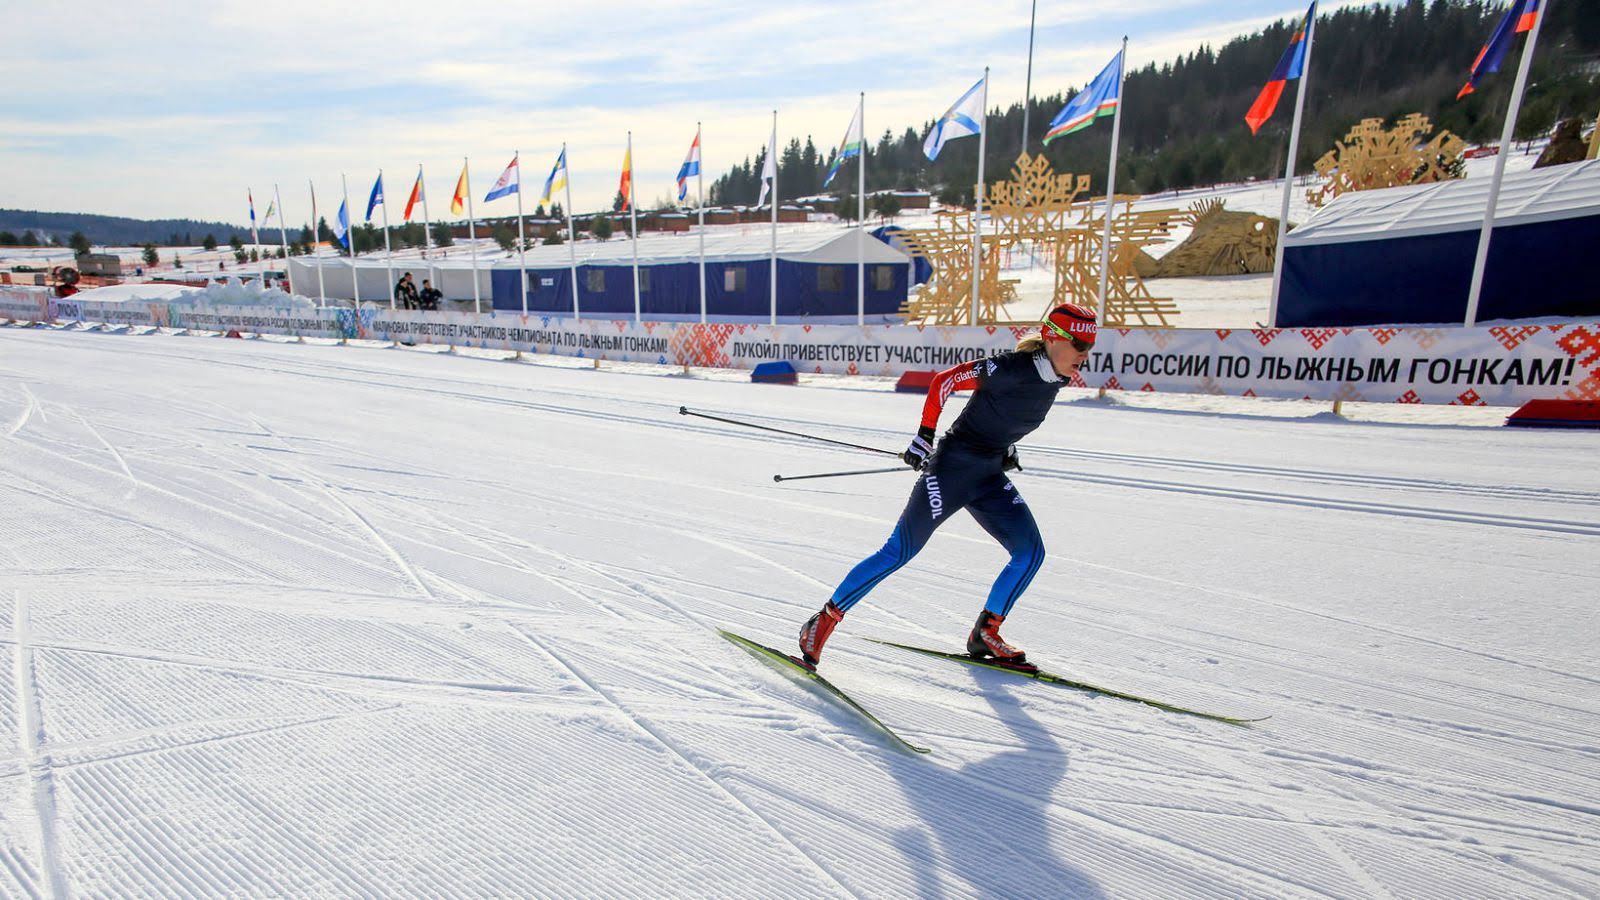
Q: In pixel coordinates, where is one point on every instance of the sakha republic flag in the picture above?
(1519, 18)
(458, 202)
(1100, 98)
(1290, 66)
(416, 195)
(557, 179)
(849, 148)
(690, 168)
(625, 187)
(507, 184)
(960, 120)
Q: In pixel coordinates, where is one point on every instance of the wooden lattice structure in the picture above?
(1372, 156)
(1223, 242)
(1040, 208)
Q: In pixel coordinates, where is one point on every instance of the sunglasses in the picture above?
(1078, 343)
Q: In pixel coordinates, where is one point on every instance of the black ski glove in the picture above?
(1012, 463)
(916, 455)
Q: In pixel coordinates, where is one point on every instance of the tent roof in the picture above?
(829, 247)
(1538, 195)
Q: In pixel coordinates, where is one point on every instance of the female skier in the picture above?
(1014, 391)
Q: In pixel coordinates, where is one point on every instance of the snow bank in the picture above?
(233, 292)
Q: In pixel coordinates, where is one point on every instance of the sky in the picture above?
(179, 110)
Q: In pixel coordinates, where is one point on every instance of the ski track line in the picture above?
(133, 483)
(1557, 526)
(32, 738)
(28, 410)
(221, 556)
(22, 874)
(683, 757)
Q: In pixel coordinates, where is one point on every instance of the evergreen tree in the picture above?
(601, 227)
(151, 257)
(79, 243)
(210, 243)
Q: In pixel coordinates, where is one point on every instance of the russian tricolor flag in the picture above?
(690, 167)
(1289, 68)
(1519, 18)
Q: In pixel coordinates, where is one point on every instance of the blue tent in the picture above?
(816, 277)
(1405, 255)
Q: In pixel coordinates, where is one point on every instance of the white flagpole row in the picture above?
(861, 214)
(472, 239)
(1507, 131)
(350, 240)
(633, 221)
(388, 251)
(522, 238)
(427, 233)
(283, 235)
(1111, 187)
(1288, 173)
(572, 234)
(700, 174)
(316, 246)
(773, 153)
(977, 214)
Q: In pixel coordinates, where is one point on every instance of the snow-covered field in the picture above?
(304, 620)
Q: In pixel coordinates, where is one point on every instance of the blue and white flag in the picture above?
(376, 198)
(769, 171)
(690, 167)
(341, 226)
(849, 148)
(961, 120)
(507, 184)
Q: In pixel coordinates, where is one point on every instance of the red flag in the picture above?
(416, 194)
(1519, 18)
(626, 187)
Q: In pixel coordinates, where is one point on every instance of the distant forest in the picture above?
(29, 227)
(1183, 122)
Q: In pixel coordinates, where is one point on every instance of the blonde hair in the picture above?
(1030, 344)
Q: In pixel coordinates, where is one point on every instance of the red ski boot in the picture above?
(815, 632)
(985, 642)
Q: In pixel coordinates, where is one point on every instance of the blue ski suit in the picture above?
(1013, 393)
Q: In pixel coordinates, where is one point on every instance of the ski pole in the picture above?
(837, 474)
(685, 411)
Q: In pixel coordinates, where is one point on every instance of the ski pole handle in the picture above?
(837, 474)
(686, 411)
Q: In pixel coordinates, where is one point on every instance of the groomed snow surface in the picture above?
(306, 620)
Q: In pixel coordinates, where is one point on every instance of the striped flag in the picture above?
(252, 197)
(625, 187)
(376, 197)
(457, 202)
(557, 179)
(416, 194)
(1289, 68)
(690, 168)
(1100, 98)
(1519, 18)
(509, 182)
(849, 148)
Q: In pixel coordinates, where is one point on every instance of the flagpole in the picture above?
(861, 213)
(1507, 131)
(700, 175)
(572, 234)
(316, 246)
(350, 239)
(472, 240)
(283, 235)
(1111, 186)
(977, 214)
(1288, 171)
(427, 230)
(255, 241)
(522, 239)
(633, 220)
(1027, 89)
(773, 152)
(388, 251)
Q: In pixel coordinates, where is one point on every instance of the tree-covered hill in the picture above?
(116, 231)
(1183, 122)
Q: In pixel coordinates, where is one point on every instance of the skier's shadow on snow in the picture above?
(990, 819)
